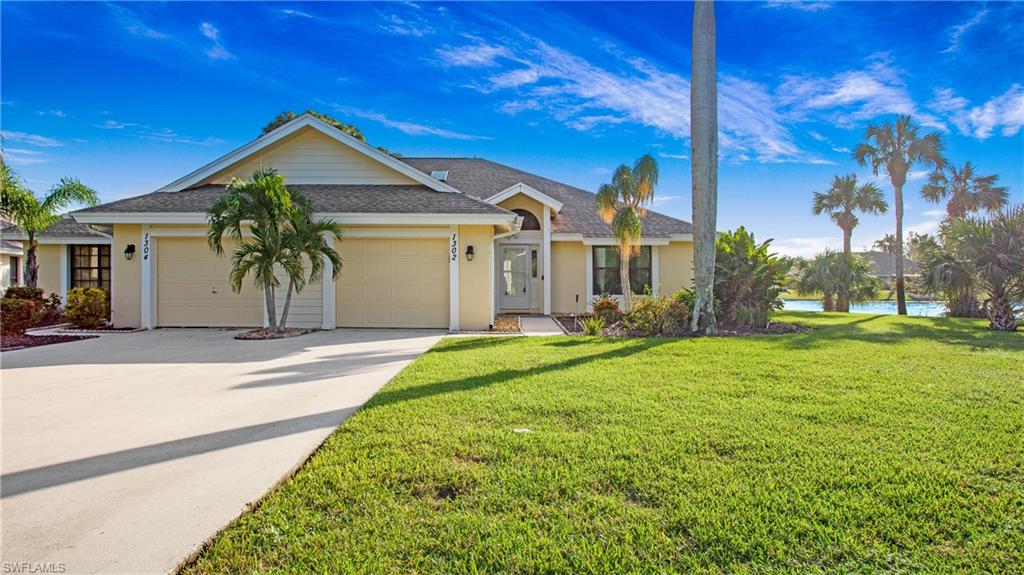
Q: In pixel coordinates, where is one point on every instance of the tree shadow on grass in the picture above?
(390, 396)
(885, 329)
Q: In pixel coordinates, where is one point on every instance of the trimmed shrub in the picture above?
(593, 325)
(23, 292)
(50, 312)
(748, 280)
(607, 308)
(87, 307)
(16, 315)
(659, 315)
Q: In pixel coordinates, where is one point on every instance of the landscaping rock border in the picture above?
(266, 334)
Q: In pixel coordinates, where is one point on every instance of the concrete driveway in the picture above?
(123, 454)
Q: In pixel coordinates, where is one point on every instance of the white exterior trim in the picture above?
(453, 278)
(681, 237)
(65, 275)
(148, 286)
(589, 254)
(68, 240)
(327, 308)
(289, 128)
(546, 251)
(342, 218)
(527, 191)
(656, 270)
(613, 241)
(395, 233)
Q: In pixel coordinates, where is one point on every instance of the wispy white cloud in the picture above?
(30, 139)
(114, 125)
(853, 96)
(408, 26)
(673, 156)
(806, 247)
(23, 157)
(585, 96)
(957, 32)
(296, 13)
(801, 5)
(130, 22)
(216, 51)
(472, 55)
(601, 171)
(934, 213)
(661, 199)
(1004, 112)
(410, 128)
(54, 113)
(917, 175)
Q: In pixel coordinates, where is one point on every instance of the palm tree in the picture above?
(942, 272)
(965, 191)
(993, 249)
(264, 204)
(704, 164)
(894, 149)
(840, 202)
(33, 214)
(839, 277)
(305, 239)
(622, 203)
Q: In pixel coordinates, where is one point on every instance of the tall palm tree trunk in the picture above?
(1000, 312)
(627, 290)
(842, 304)
(287, 305)
(901, 294)
(704, 164)
(31, 263)
(268, 297)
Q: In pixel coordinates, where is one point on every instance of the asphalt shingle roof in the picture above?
(66, 227)
(483, 178)
(357, 199)
(477, 178)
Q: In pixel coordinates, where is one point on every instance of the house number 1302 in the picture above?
(455, 247)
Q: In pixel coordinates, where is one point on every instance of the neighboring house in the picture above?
(885, 265)
(10, 264)
(69, 254)
(428, 242)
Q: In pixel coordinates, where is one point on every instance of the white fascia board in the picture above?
(291, 127)
(681, 237)
(341, 218)
(614, 242)
(527, 191)
(50, 240)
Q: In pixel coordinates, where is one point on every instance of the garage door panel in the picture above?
(193, 288)
(393, 283)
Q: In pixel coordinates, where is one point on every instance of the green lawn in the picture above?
(875, 443)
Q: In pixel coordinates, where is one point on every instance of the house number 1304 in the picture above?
(455, 247)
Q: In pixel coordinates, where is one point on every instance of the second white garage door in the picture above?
(393, 283)
(193, 288)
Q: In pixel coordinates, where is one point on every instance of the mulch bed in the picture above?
(261, 334)
(13, 342)
(507, 324)
(618, 330)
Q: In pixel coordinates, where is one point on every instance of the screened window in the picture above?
(606, 270)
(90, 266)
(15, 270)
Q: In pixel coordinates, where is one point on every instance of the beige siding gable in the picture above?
(312, 157)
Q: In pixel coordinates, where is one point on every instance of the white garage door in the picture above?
(193, 289)
(393, 283)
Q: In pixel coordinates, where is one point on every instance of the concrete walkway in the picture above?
(124, 453)
(539, 325)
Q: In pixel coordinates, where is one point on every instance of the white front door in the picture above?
(514, 269)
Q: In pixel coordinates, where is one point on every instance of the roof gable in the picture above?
(529, 192)
(310, 148)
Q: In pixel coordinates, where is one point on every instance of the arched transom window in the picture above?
(529, 220)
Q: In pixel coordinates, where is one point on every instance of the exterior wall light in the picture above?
(469, 253)
(129, 252)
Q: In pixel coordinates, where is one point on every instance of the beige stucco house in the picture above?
(428, 242)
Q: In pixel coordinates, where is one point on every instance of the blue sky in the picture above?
(129, 97)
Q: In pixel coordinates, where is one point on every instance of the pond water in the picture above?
(918, 308)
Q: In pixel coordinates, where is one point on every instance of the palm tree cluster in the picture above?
(34, 214)
(839, 277)
(623, 204)
(275, 231)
